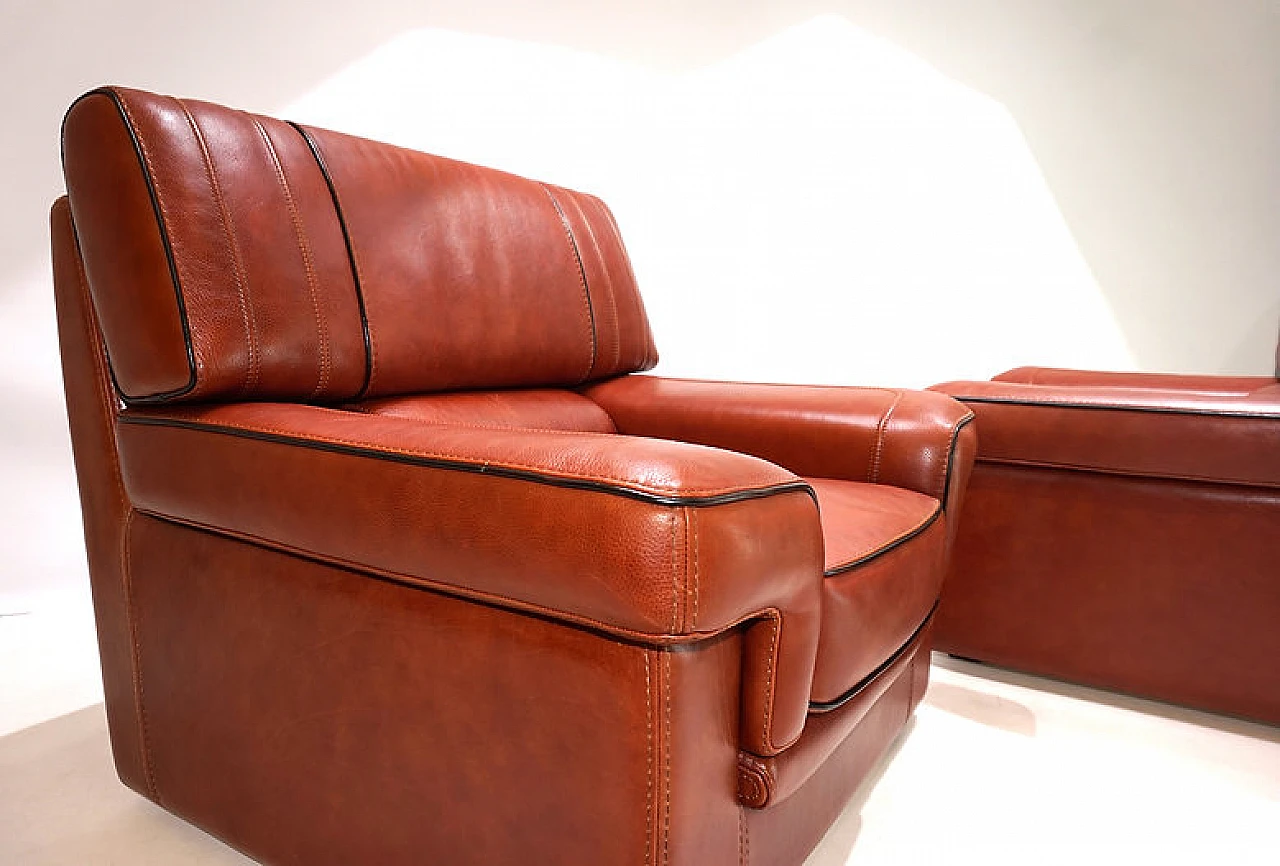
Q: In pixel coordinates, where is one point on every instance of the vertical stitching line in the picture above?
(743, 849)
(874, 474)
(139, 697)
(238, 272)
(304, 248)
(775, 620)
(609, 297)
(691, 529)
(675, 572)
(352, 257)
(164, 212)
(648, 360)
(666, 821)
(582, 277)
(648, 754)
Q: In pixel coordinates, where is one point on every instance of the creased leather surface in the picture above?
(882, 436)
(1168, 433)
(1161, 589)
(1120, 531)
(230, 260)
(105, 509)
(431, 602)
(474, 278)
(643, 567)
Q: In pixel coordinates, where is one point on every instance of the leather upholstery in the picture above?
(1120, 531)
(379, 523)
(238, 256)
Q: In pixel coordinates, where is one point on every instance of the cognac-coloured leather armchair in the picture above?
(1122, 530)
(396, 561)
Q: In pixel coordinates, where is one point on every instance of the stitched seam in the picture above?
(164, 215)
(139, 698)
(648, 755)
(237, 266)
(609, 298)
(582, 277)
(776, 623)
(304, 248)
(349, 241)
(874, 475)
(624, 483)
(675, 573)
(953, 442)
(744, 838)
(691, 524)
(648, 360)
(456, 591)
(666, 819)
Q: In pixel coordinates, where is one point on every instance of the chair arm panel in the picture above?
(649, 540)
(889, 436)
(1222, 438)
(1239, 385)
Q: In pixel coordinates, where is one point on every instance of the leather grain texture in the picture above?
(394, 560)
(235, 256)
(1124, 536)
(105, 509)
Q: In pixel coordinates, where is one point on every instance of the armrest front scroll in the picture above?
(897, 437)
(651, 541)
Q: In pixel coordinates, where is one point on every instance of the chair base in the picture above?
(305, 713)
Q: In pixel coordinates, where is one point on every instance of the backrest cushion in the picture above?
(232, 256)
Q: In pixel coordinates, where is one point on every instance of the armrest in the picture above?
(1185, 435)
(1239, 385)
(896, 437)
(658, 542)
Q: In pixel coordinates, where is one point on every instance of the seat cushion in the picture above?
(884, 562)
(532, 409)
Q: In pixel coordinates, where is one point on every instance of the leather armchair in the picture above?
(1122, 530)
(396, 558)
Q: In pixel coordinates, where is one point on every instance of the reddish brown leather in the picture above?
(1162, 434)
(1124, 537)
(1157, 588)
(496, 607)
(1158, 381)
(91, 409)
(882, 436)
(768, 781)
(474, 278)
(230, 260)
(669, 539)
(307, 714)
(213, 249)
(528, 410)
(861, 521)
(788, 830)
(871, 606)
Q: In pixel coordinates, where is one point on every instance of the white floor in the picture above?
(996, 769)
